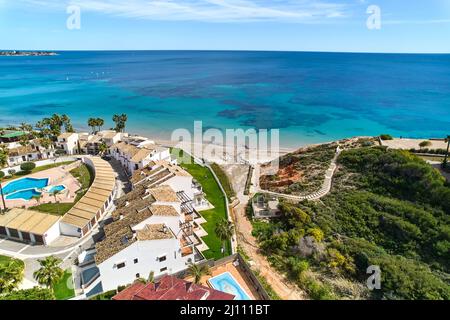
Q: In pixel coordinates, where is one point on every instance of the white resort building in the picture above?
(135, 153)
(33, 151)
(151, 231)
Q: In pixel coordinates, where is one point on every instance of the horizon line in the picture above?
(224, 50)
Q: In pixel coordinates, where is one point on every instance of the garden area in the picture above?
(85, 176)
(213, 216)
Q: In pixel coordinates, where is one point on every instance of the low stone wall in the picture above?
(41, 163)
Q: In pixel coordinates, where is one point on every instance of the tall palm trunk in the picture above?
(3, 197)
(446, 154)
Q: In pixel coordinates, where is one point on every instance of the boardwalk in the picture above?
(323, 191)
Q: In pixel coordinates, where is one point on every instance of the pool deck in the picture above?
(56, 176)
(238, 275)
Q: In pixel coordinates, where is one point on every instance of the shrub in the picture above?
(27, 166)
(35, 293)
(386, 137)
(2, 174)
(11, 172)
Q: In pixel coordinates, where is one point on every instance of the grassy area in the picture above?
(37, 169)
(61, 289)
(85, 176)
(217, 199)
(224, 181)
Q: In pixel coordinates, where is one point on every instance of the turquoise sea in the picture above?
(310, 97)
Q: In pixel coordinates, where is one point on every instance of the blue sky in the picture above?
(301, 25)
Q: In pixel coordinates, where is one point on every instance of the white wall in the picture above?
(147, 253)
(41, 163)
(52, 233)
(69, 230)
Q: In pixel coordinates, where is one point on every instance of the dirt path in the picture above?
(248, 243)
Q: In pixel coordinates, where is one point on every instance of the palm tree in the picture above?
(444, 164)
(24, 141)
(49, 273)
(38, 198)
(100, 122)
(45, 143)
(151, 277)
(2, 174)
(123, 121)
(55, 195)
(102, 148)
(198, 272)
(224, 231)
(11, 274)
(116, 119)
(92, 123)
(4, 153)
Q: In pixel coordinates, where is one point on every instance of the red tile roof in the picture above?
(171, 288)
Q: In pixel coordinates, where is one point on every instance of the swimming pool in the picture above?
(225, 282)
(56, 188)
(23, 194)
(24, 184)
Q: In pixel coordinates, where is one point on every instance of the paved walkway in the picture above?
(25, 251)
(323, 191)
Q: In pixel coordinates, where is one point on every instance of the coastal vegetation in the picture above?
(387, 208)
(215, 196)
(49, 273)
(11, 274)
(303, 172)
(96, 124)
(36, 293)
(224, 181)
(120, 121)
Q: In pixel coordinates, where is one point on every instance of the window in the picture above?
(136, 260)
(163, 269)
(138, 275)
(162, 258)
(120, 265)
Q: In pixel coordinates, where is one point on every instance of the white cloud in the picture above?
(303, 11)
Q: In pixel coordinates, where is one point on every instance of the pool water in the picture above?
(225, 282)
(56, 188)
(24, 184)
(23, 194)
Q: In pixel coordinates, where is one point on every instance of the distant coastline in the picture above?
(26, 53)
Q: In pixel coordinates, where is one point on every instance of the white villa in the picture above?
(166, 173)
(74, 143)
(151, 231)
(68, 142)
(136, 153)
(32, 152)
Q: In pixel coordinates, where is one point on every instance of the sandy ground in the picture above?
(223, 155)
(238, 176)
(407, 144)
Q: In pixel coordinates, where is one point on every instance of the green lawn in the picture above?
(85, 176)
(217, 199)
(61, 290)
(37, 169)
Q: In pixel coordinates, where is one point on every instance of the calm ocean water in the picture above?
(310, 97)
